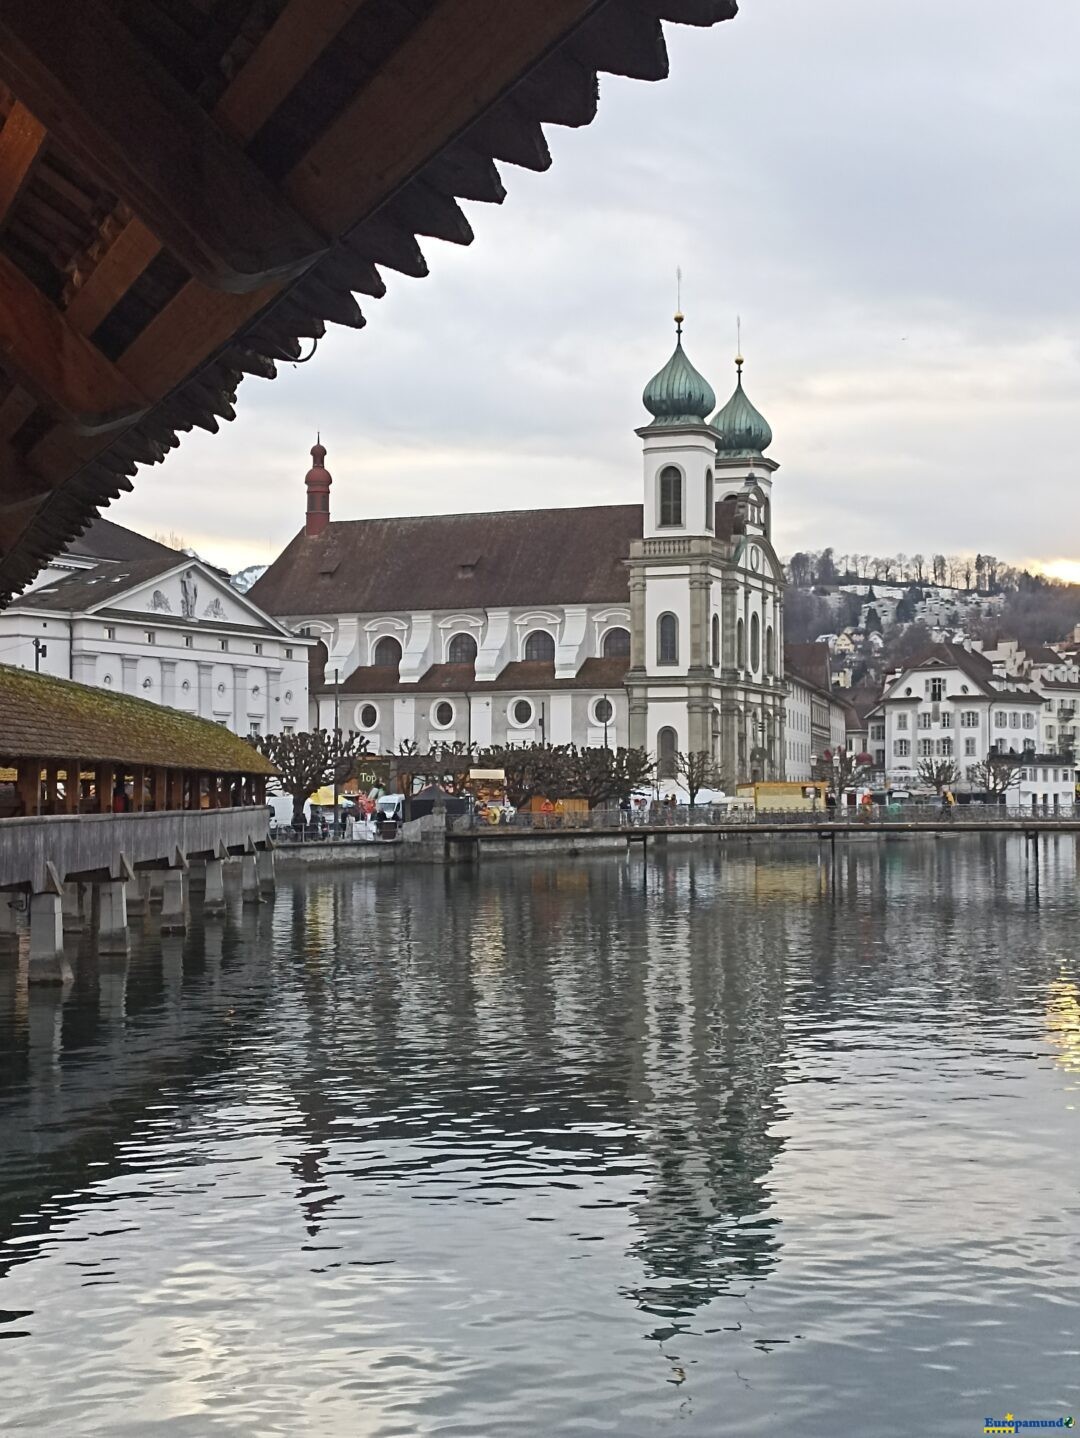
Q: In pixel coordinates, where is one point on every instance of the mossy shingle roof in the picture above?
(46, 718)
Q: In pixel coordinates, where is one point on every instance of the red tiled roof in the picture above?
(810, 663)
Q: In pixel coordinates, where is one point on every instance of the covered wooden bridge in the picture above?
(95, 786)
(191, 189)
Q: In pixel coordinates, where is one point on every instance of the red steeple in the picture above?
(318, 483)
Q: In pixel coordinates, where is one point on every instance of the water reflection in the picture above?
(456, 1144)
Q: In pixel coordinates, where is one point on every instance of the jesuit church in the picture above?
(656, 624)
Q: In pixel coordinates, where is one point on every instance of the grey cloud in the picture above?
(885, 191)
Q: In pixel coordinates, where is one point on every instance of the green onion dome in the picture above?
(678, 394)
(742, 429)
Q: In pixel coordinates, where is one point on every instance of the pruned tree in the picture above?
(841, 768)
(530, 769)
(606, 776)
(698, 770)
(998, 773)
(938, 774)
(445, 764)
(308, 759)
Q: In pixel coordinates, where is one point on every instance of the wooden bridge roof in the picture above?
(45, 718)
(191, 189)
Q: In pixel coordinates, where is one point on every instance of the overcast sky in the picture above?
(887, 191)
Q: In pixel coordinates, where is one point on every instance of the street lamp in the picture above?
(607, 711)
(337, 744)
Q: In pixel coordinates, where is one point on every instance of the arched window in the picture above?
(770, 652)
(667, 749)
(461, 650)
(755, 643)
(667, 639)
(716, 641)
(387, 652)
(617, 644)
(740, 644)
(710, 502)
(540, 647)
(671, 497)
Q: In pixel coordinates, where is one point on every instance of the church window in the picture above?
(740, 644)
(603, 711)
(444, 714)
(667, 639)
(461, 650)
(667, 749)
(224, 646)
(770, 651)
(521, 712)
(755, 642)
(716, 641)
(369, 716)
(710, 502)
(387, 652)
(188, 641)
(671, 497)
(540, 648)
(617, 644)
(110, 632)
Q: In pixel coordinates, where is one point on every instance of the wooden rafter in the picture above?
(78, 68)
(459, 60)
(56, 364)
(22, 141)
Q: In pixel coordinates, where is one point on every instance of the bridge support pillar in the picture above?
(138, 895)
(173, 902)
(155, 889)
(47, 962)
(249, 879)
(10, 922)
(214, 888)
(264, 863)
(72, 905)
(112, 932)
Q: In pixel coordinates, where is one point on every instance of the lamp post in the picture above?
(40, 651)
(607, 711)
(337, 744)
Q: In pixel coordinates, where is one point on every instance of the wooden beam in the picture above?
(280, 61)
(57, 364)
(22, 141)
(104, 98)
(114, 274)
(459, 60)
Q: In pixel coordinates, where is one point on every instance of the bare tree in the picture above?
(841, 769)
(800, 571)
(698, 770)
(307, 761)
(998, 773)
(938, 774)
(939, 566)
(918, 564)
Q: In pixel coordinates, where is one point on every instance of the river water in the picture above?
(732, 1143)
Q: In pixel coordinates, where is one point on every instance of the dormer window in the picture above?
(671, 498)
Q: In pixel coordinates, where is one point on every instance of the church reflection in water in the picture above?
(617, 1029)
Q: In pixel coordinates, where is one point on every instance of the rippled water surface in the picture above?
(731, 1143)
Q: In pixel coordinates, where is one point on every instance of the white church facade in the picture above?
(122, 612)
(656, 624)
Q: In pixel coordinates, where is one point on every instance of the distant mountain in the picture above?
(247, 577)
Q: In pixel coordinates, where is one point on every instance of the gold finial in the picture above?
(738, 345)
(679, 316)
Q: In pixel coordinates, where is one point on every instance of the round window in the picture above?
(369, 716)
(444, 713)
(522, 711)
(602, 711)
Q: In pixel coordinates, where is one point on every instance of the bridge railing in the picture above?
(682, 816)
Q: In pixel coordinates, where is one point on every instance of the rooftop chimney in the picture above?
(318, 483)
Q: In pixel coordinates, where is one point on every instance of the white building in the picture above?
(656, 623)
(952, 706)
(815, 719)
(142, 619)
